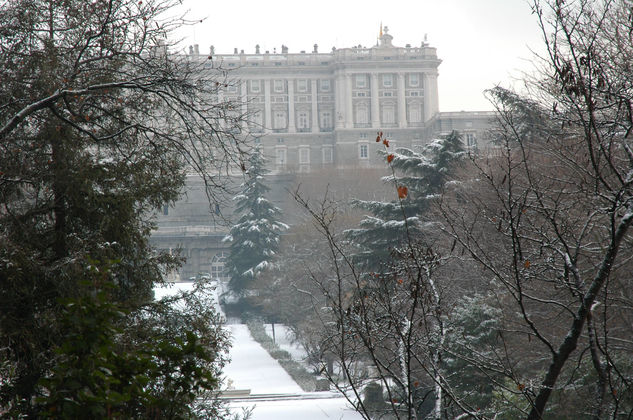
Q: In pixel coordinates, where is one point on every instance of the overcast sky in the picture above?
(481, 43)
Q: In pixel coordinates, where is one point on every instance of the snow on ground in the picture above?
(283, 338)
(308, 409)
(253, 368)
(172, 289)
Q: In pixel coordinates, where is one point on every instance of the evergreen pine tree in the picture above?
(424, 174)
(255, 237)
(100, 124)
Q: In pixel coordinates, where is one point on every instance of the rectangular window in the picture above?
(278, 85)
(232, 88)
(281, 157)
(471, 140)
(302, 85)
(360, 80)
(328, 155)
(326, 119)
(360, 94)
(257, 120)
(362, 113)
(387, 94)
(325, 85)
(255, 86)
(414, 79)
(387, 80)
(302, 120)
(414, 93)
(415, 112)
(363, 151)
(363, 135)
(304, 155)
(279, 120)
(388, 114)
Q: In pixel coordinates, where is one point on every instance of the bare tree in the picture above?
(550, 220)
(107, 71)
(389, 327)
(100, 122)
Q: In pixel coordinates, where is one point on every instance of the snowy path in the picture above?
(251, 367)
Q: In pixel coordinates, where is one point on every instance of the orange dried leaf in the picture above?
(520, 387)
(389, 158)
(377, 138)
(402, 191)
(385, 142)
(400, 281)
(526, 264)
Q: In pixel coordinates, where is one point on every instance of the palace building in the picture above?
(315, 110)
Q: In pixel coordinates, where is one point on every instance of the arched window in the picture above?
(218, 262)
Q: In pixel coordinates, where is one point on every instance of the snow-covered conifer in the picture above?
(424, 173)
(255, 237)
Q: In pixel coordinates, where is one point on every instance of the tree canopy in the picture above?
(255, 236)
(99, 124)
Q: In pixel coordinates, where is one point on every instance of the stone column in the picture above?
(339, 101)
(375, 101)
(315, 107)
(349, 112)
(291, 106)
(244, 105)
(267, 107)
(402, 102)
(435, 103)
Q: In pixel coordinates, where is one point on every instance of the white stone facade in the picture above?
(313, 109)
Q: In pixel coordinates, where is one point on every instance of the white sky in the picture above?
(481, 43)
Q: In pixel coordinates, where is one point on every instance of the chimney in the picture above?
(316, 48)
(234, 50)
(284, 49)
(196, 49)
(257, 49)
